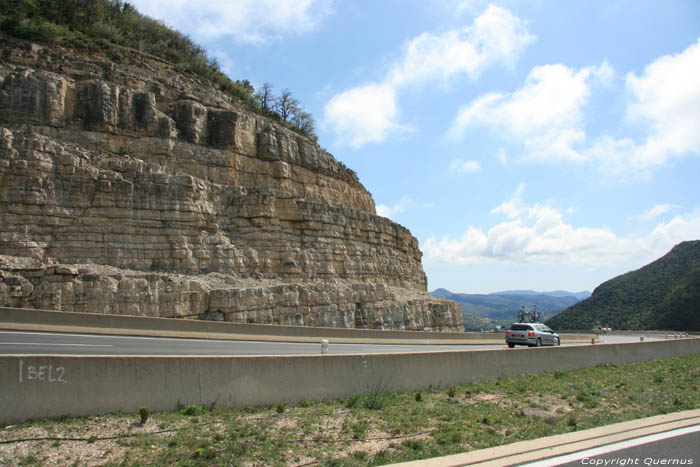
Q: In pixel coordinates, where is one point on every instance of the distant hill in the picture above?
(483, 311)
(663, 295)
(555, 293)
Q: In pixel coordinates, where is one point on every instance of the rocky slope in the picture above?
(130, 187)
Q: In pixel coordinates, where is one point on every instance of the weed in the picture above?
(451, 391)
(413, 444)
(281, 407)
(552, 421)
(374, 401)
(472, 389)
(359, 429)
(448, 435)
(144, 413)
(418, 397)
(192, 410)
(29, 460)
(352, 401)
(590, 404)
(360, 456)
(521, 385)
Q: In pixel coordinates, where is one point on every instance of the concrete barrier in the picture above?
(650, 333)
(43, 320)
(17, 318)
(51, 386)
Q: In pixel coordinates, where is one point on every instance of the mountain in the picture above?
(441, 293)
(663, 295)
(138, 180)
(556, 293)
(489, 310)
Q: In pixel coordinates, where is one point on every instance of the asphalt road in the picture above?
(21, 342)
(46, 343)
(676, 447)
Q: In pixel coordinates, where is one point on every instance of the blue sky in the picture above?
(535, 144)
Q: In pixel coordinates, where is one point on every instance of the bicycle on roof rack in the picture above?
(529, 316)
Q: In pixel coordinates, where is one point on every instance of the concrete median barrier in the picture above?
(51, 386)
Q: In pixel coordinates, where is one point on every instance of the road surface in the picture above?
(47, 343)
(675, 447)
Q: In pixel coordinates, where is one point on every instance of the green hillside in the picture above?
(663, 295)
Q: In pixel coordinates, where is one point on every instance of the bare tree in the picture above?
(304, 122)
(265, 98)
(286, 105)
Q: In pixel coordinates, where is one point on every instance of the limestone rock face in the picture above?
(129, 187)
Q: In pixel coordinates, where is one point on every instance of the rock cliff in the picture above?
(130, 187)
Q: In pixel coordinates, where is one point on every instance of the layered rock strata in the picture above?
(129, 187)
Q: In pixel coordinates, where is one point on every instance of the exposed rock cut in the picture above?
(129, 187)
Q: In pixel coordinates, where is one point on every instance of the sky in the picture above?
(527, 144)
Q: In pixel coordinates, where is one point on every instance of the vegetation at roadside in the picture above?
(370, 429)
(663, 295)
(101, 23)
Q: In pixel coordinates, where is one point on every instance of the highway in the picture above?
(44, 343)
(52, 343)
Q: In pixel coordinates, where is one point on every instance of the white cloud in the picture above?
(465, 167)
(495, 37)
(365, 114)
(512, 208)
(390, 211)
(248, 21)
(667, 97)
(545, 113)
(653, 212)
(538, 234)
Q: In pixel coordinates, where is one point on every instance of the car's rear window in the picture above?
(520, 327)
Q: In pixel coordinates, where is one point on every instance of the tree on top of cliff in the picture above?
(100, 23)
(286, 109)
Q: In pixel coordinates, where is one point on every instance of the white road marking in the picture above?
(46, 344)
(111, 336)
(612, 447)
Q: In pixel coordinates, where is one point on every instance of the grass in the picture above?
(370, 429)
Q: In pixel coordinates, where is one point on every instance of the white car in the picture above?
(531, 334)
